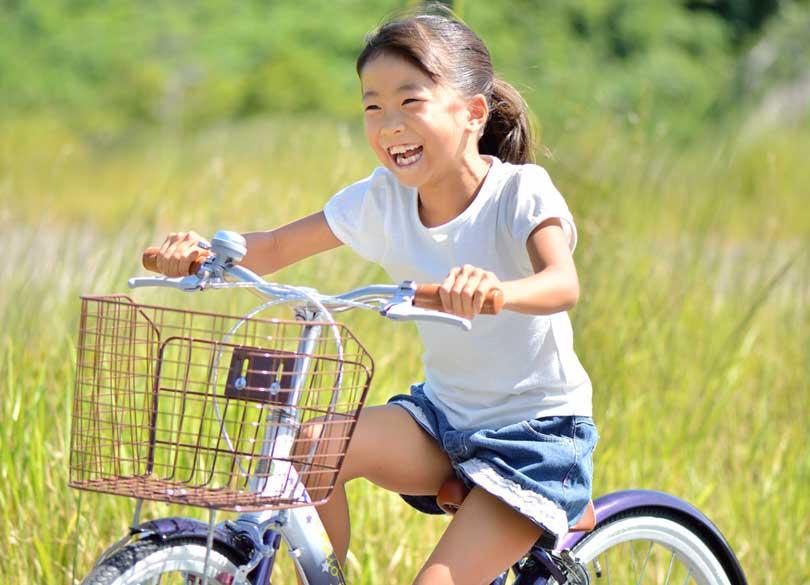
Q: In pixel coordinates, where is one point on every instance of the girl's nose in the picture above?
(392, 125)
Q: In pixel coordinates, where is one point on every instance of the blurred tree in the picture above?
(744, 16)
(187, 64)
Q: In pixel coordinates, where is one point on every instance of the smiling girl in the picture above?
(507, 406)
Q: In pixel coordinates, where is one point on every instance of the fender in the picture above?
(608, 506)
(167, 529)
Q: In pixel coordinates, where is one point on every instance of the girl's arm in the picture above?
(273, 250)
(266, 251)
(554, 286)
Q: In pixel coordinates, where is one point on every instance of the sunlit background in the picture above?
(678, 131)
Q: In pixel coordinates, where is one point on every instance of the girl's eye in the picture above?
(371, 108)
(410, 101)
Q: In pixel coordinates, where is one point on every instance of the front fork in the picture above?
(307, 543)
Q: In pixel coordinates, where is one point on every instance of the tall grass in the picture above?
(694, 321)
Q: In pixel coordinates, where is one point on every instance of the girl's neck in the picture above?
(444, 200)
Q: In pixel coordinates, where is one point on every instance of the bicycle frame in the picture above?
(301, 528)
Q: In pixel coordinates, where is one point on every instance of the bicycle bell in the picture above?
(228, 247)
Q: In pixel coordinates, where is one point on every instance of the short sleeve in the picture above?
(535, 200)
(356, 216)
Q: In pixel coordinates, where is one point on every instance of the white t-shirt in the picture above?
(510, 367)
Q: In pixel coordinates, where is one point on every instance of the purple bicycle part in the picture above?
(615, 503)
(172, 528)
(261, 574)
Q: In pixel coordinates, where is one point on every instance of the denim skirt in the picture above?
(541, 467)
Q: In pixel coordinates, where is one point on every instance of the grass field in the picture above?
(694, 318)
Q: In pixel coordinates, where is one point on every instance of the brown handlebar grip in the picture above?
(427, 297)
(150, 255)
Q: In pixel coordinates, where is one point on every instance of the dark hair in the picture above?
(447, 50)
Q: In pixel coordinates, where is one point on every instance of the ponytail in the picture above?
(507, 134)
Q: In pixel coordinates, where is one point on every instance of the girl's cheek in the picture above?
(371, 136)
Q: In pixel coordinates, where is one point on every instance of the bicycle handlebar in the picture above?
(426, 296)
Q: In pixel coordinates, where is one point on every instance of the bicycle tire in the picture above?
(143, 561)
(652, 545)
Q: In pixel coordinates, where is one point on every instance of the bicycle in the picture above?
(230, 413)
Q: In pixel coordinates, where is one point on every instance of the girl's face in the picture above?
(419, 129)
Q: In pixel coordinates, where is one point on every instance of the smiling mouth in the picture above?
(405, 155)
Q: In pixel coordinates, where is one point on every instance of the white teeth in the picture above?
(400, 148)
(407, 160)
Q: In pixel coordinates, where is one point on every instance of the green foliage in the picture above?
(111, 66)
(645, 62)
(182, 64)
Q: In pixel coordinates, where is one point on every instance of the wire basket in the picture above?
(212, 410)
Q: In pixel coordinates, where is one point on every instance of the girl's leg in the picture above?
(390, 449)
(485, 538)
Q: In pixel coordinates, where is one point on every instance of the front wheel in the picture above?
(646, 546)
(175, 562)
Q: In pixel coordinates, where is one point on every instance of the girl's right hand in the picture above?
(465, 290)
(178, 252)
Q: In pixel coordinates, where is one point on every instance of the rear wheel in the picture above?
(646, 546)
(176, 562)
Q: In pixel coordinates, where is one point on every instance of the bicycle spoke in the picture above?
(669, 569)
(688, 576)
(634, 564)
(642, 562)
(646, 560)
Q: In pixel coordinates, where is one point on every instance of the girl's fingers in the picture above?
(468, 292)
(464, 290)
(477, 290)
(457, 293)
(186, 252)
(481, 293)
(161, 260)
(446, 288)
(177, 252)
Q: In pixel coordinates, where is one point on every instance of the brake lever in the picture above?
(186, 283)
(402, 309)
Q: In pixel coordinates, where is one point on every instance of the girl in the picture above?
(506, 407)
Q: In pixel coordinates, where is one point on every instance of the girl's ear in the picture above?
(477, 114)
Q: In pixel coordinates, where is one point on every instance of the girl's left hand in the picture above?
(465, 288)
